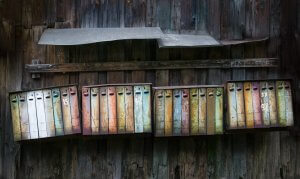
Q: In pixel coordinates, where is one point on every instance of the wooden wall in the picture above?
(259, 155)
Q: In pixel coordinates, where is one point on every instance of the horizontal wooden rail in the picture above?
(152, 65)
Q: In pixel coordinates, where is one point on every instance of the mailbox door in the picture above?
(232, 105)
(202, 111)
(129, 109)
(177, 112)
(49, 113)
(280, 95)
(86, 111)
(256, 104)
(264, 98)
(147, 109)
(95, 111)
(211, 92)
(272, 103)
(288, 104)
(219, 111)
(57, 111)
(33, 121)
(185, 124)
(121, 117)
(15, 114)
(103, 111)
(25, 132)
(66, 110)
(112, 111)
(76, 127)
(248, 104)
(240, 105)
(41, 117)
(168, 113)
(138, 109)
(159, 113)
(194, 102)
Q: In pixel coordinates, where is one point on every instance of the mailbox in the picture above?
(268, 103)
(45, 113)
(188, 110)
(116, 109)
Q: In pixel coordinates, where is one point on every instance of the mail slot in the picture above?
(116, 109)
(45, 113)
(268, 103)
(189, 110)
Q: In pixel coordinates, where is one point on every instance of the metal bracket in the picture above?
(35, 75)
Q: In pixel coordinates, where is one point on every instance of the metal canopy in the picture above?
(81, 36)
(183, 40)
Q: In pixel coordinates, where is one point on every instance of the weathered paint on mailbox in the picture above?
(66, 110)
(177, 112)
(146, 109)
(202, 111)
(256, 104)
(103, 111)
(95, 111)
(40, 111)
(194, 106)
(280, 95)
(211, 92)
(248, 104)
(288, 104)
(57, 111)
(232, 105)
(240, 105)
(33, 121)
(159, 113)
(121, 114)
(264, 98)
(49, 113)
(185, 125)
(112, 111)
(86, 112)
(129, 109)
(138, 109)
(168, 112)
(76, 127)
(272, 103)
(25, 131)
(15, 114)
(219, 111)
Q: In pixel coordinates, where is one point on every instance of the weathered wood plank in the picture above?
(150, 65)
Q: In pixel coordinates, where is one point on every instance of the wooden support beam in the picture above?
(151, 65)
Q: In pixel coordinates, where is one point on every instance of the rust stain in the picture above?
(66, 110)
(25, 131)
(112, 111)
(121, 116)
(185, 126)
(256, 104)
(76, 127)
(194, 109)
(159, 113)
(86, 111)
(15, 114)
(49, 113)
(202, 111)
(248, 104)
(129, 109)
(95, 111)
(168, 113)
(103, 111)
(211, 111)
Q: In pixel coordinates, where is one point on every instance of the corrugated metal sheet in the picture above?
(80, 36)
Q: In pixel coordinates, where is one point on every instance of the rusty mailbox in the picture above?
(188, 110)
(116, 109)
(259, 104)
(45, 113)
